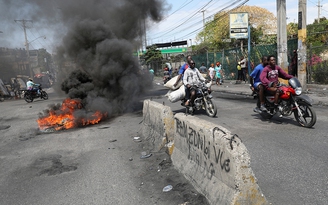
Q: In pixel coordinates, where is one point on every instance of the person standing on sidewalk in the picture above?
(202, 69)
(243, 64)
(239, 73)
(256, 84)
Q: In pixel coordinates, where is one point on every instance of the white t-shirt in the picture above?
(243, 63)
(211, 71)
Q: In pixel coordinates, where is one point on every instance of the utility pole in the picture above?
(26, 44)
(203, 11)
(282, 35)
(301, 54)
(319, 10)
(145, 34)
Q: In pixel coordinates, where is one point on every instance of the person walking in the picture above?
(211, 72)
(218, 73)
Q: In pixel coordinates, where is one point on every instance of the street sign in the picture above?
(239, 25)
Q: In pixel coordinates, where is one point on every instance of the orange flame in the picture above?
(64, 118)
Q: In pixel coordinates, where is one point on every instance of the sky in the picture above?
(175, 28)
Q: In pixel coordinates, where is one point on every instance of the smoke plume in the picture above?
(97, 39)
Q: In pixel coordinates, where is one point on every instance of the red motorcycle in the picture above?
(291, 101)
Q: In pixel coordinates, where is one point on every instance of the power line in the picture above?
(223, 7)
(170, 30)
(215, 20)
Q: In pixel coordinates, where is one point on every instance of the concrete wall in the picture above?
(215, 161)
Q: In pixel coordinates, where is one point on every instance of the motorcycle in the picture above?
(30, 95)
(166, 76)
(203, 101)
(290, 101)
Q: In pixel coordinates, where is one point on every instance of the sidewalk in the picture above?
(318, 93)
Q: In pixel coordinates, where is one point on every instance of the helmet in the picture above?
(30, 79)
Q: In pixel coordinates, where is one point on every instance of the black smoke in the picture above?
(96, 39)
(101, 42)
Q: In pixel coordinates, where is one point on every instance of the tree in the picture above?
(153, 57)
(317, 33)
(152, 54)
(292, 30)
(218, 29)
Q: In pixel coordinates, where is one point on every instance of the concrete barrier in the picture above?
(158, 125)
(215, 161)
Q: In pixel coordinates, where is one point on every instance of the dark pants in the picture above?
(244, 74)
(240, 75)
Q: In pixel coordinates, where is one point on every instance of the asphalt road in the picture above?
(289, 161)
(99, 164)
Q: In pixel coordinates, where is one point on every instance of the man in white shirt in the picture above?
(192, 77)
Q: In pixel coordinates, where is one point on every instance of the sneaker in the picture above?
(257, 110)
(263, 109)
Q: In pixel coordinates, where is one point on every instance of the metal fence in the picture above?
(317, 70)
(230, 57)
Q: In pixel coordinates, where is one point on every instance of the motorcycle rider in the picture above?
(256, 83)
(30, 85)
(269, 78)
(192, 77)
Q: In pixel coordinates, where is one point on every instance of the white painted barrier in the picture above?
(216, 162)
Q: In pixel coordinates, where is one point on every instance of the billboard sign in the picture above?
(239, 25)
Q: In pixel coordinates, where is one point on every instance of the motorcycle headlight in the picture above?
(298, 91)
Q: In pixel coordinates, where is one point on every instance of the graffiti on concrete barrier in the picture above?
(205, 152)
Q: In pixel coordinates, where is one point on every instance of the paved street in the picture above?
(288, 160)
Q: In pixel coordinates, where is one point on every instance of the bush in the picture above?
(320, 73)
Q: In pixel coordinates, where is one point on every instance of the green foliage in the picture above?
(317, 34)
(292, 30)
(152, 54)
(217, 31)
(320, 72)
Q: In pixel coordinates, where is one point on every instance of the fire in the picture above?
(65, 117)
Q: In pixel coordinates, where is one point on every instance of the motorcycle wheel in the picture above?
(210, 108)
(44, 95)
(28, 98)
(308, 118)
